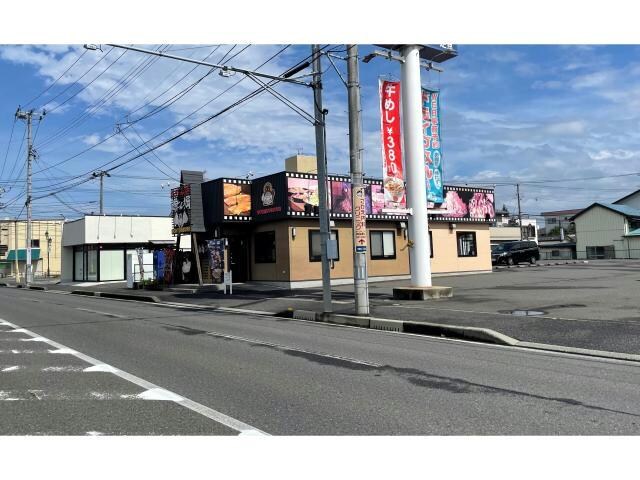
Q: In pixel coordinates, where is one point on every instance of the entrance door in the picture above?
(238, 258)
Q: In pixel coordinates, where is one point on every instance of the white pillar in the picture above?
(414, 166)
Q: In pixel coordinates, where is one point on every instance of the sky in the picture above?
(562, 120)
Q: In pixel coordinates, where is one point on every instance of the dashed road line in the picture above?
(98, 312)
(152, 391)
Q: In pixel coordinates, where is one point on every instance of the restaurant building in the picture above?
(95, 247)
(271, 229)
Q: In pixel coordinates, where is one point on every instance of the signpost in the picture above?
(360, 219)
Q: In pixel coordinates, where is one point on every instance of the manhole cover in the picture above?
(526, 313)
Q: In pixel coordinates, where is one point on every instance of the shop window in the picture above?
(314, 245)
(383, 244)
(35, 243)
(555, 253)
(265, 247)
(92, 263)
(467, 244)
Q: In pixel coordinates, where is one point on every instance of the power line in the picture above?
(178, 122)
(128, 123)
(4, 163)
(57, 79)
(79, 78)
(247, 98)
(118, 86)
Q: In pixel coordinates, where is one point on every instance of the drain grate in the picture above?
(526, 313)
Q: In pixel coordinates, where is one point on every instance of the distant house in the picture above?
(559, 219)
(608, 230)
(631, 200)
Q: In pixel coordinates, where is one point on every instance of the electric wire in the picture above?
(119, 85)
(75, 82)
(57, 79)
(247, 98)
(108, 137)
(4, 163)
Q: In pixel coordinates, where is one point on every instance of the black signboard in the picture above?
(181, 209)
(269, 197)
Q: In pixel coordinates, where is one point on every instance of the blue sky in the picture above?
(510, 113)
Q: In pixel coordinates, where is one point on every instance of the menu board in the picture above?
(302, 196)
(461, 202)
(341, 197)
(237, 199)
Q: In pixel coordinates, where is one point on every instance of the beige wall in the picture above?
(303, 269)
(38, 229)
(445, 248)
(292, 254)
(278, 271)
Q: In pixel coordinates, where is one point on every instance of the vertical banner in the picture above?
(181, 209)
(393, 182)
(432, 150)
(216, 259)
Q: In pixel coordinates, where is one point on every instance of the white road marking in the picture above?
(160, 394)
(98, 312)
(101, 368)
(294, 349)
(203, 410)
(94, 434)
(63, 350)
(34, 339)
(65, 368)
(17, 330)
(11, 369)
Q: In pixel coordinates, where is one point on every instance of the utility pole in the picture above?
(325, 234)
(101, 174)
(519, 210)
(28, 117)
(360, 276)
(15, 249)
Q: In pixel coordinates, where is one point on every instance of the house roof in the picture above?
(633, 233)
(621, 209)
(627, 196)
(557, 213)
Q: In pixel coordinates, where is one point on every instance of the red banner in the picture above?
(394, 191)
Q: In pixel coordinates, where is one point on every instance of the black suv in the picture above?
(511, 253)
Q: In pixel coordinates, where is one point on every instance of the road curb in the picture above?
(485, 335)
(118, 296)
(580, 351)
(38, 287)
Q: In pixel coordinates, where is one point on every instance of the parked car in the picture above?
(511, 253)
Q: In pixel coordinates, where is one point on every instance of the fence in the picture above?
(603, 253)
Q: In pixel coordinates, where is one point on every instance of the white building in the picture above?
(94, 247)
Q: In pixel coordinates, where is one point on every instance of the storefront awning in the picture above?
(22, 255)
(162, 242)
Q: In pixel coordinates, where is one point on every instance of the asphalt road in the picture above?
(229, 374)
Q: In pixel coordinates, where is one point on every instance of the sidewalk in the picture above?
(590, 306)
